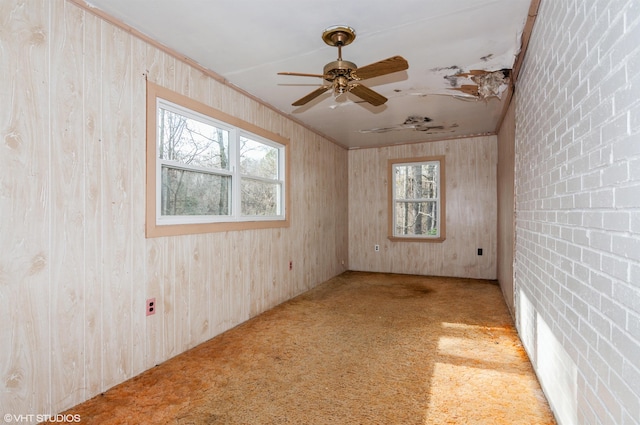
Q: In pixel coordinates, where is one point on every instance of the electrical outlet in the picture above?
(376, 248)
(151, 306)
(290, 265)
(479, 251)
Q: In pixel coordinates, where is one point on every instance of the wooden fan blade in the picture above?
(299, 74)
(308, 98)
(365, 93)
(386, 66)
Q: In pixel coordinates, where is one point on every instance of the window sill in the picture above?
(197, 228)
(428, 240)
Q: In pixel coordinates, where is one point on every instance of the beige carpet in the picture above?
(362, 348)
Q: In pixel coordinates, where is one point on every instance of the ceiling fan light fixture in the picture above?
(341, 85)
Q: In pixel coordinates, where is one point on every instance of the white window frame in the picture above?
(440, 200)
(279, 182)
(169, 225)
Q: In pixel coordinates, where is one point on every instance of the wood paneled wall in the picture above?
(506, 206)
(470, 213)
(75, 268)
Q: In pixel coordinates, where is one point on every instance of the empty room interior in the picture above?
(210, 214)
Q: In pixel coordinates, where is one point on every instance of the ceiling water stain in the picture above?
(415, 123)
(487, 83)
(416, 120)
(447, 68)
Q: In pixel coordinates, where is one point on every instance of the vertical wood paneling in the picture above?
(199, 290)
(182, 82)
(138, 174)
(219, 263)
(299, 208)
(167, 308)
(254, 282)
(93, 201)
(76, 267)
(506, 207)
(153, 325)
(116, 213)
(461, 189)
(311, 185)
(470, 214)
(276, 260)
(199, 86)
(487, 237)
(154, 330)
(367, 210)
(243, 262)
(25, 266)
(67, 212)
(181, 311)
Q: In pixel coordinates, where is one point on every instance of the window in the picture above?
(417, 199)
(208, 171)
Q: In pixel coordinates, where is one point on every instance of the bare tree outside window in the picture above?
(416, 199)
(259, 187)
(197, 189)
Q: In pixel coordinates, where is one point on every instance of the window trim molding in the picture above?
(152, 229)
(443, 199)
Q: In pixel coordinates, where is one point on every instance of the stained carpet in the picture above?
(361, 348)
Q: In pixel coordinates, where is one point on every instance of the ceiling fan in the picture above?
(344, 76)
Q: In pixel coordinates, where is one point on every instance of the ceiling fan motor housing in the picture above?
(340, 74)
(339, 68)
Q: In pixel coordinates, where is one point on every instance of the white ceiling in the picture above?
(249, 41)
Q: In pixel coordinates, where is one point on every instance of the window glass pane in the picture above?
(417, 181)
(258, 159)
(192, 142)
(192, 193)
(416, 218)
(259, 198)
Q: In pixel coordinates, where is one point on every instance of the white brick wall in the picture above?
(577, 254)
